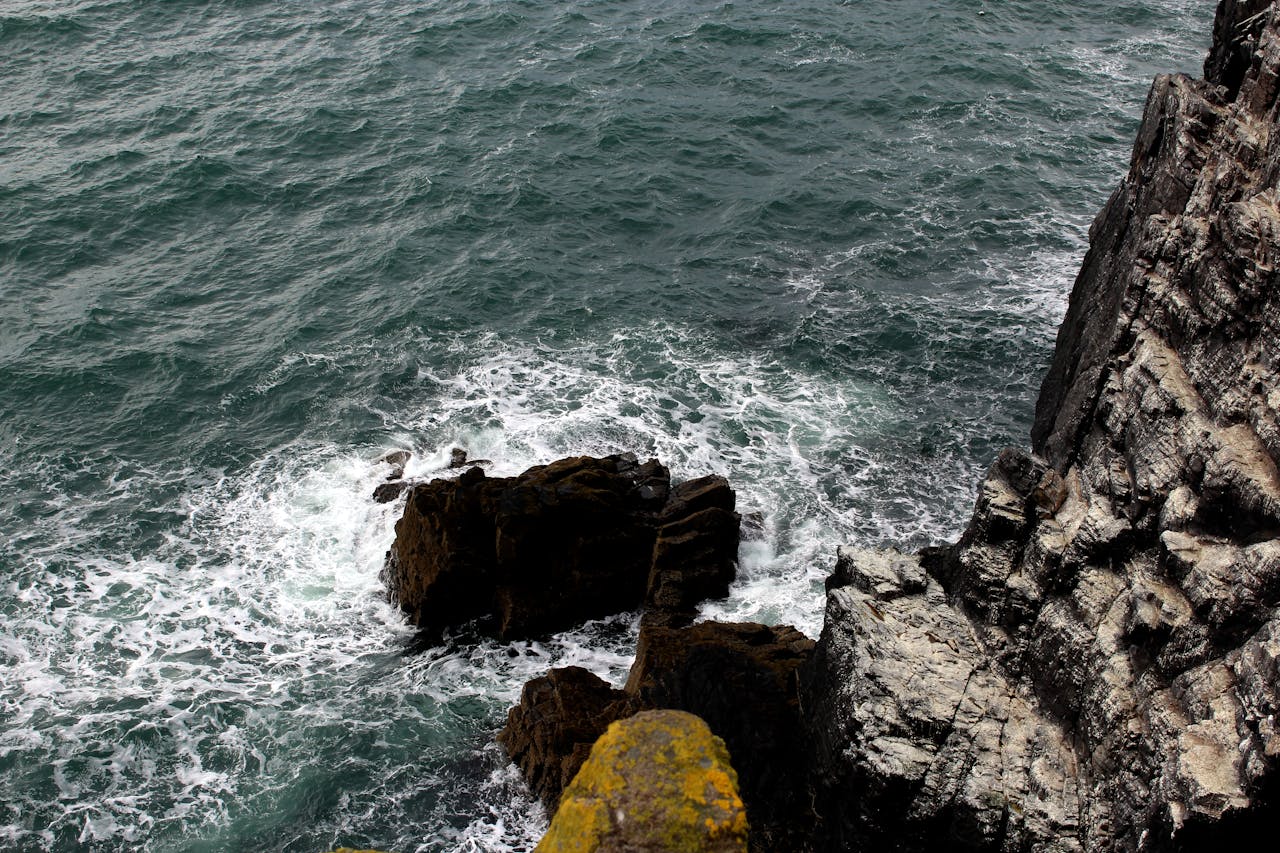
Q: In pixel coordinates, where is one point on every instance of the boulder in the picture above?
(397, 460)
(657, 782)
(695, 552)
(385, 493)
(581, 538)
(537, 553)
(741, 679)
(560, 715)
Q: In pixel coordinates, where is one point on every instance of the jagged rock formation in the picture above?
(1094, 665)
(579, 539)
(658, 782)
(695, 553)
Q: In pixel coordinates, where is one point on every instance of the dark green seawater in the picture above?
(247, 247)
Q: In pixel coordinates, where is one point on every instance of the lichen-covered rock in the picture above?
(1094, 665)
(657, 782)
(743, 679)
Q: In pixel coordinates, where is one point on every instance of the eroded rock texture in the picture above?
(560, 715)
(1094, 665)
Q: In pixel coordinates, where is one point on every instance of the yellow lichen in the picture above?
(657, 781)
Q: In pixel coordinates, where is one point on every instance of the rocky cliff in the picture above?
(1093, 666)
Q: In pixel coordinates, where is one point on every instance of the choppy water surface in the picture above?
(246, 247)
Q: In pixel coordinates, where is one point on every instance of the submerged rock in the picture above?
(397, 460)
(657, 782)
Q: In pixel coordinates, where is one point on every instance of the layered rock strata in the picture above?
(1093, 666)
(578, 539)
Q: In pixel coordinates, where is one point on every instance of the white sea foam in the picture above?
(213, 671)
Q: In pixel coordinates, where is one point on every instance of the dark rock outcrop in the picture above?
(1093, 666)
(540, 552)
(695, 552)
(560, 715)
(385, 493)
(742, 678)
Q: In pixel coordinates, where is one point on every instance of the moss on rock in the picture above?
(658, 782)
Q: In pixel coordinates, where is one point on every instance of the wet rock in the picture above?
(397, 460)
(656, 782)
(560, 715)
(695, 553)
(753, 526)
(457, 457)
(540, 552)
(387, 492)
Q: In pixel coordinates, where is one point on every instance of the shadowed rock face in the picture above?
(1094, 665)
(743, 679)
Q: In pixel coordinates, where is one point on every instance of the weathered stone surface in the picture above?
(742, 679)
(560, 715)
(540, 552)
(658, 782)
(1093, 666)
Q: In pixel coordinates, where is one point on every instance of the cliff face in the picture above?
(1093, 666)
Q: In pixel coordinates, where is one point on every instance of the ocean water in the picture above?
(247, 247)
